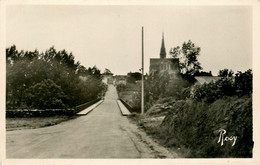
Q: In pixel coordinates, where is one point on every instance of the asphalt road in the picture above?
(103, 133)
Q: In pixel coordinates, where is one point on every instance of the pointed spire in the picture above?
(163, 52)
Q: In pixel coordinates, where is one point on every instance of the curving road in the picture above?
(103, 133)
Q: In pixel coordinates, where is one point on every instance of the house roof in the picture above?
(206, 79)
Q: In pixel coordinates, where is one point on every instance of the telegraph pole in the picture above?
(142, 104)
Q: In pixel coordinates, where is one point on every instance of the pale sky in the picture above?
(110, 36)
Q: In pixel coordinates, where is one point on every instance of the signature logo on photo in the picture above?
(223, 138)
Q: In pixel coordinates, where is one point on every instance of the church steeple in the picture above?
(163, 52)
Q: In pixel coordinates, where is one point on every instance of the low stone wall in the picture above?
(38, 112)
(130, 108)
(48, 112)
(85, 105)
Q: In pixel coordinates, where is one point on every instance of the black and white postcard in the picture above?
(121, 82)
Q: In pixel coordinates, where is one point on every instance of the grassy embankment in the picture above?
(34, 122)
(193, 127)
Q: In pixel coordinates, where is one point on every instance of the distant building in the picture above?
(163, 64)
(107, 78)
(120, 79)
(200, 80)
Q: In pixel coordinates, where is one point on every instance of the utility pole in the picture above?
(142, 104)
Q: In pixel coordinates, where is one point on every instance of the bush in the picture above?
(243, 82)
(239, 85)
(45, 95)
(120, 87)
(159, 86)
(178, 89)
(213, 90)
(133, 77)
(53, 76)
(196, 126)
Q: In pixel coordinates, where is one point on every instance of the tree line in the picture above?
(49, 80)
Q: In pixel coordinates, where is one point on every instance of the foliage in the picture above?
(196, 125)
(225, 73)
(188, 55)
(243, 82)
(30, 73)
(152, 89)
(178, 89)
(159, 86)
(133, 77)
(239, 85)
(202, 73)
(120, 87)
(40, 95)
(213, 90)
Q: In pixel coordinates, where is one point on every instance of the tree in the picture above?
(81, 70)
(16, 83)
(132, 77)
(225, 73)
(45, 95)
(53, 74)
(94, 71)
(159, 86)
(244, 82)
(239, 85)
(187, 54)
(152, 90)
(12, 54)
(203, 73)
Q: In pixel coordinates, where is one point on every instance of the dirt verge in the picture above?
(34, 122)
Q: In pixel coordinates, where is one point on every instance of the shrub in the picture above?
(31, 71)
(178, 89)
(212, 91)
(239, 85)
(121, 87)
(196, 126)
(243, 82)
(158, 86)
(45, 95)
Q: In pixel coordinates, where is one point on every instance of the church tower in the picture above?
(164, 65)
(163, 52)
